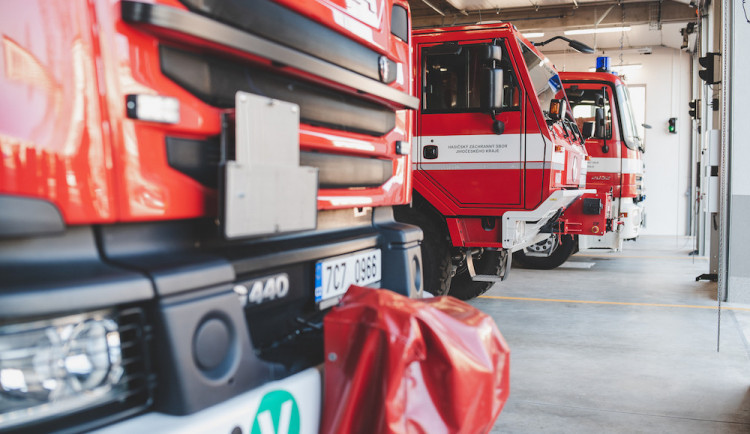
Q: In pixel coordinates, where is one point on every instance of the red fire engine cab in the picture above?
(496, 161)
(601, 105)
(186, 186)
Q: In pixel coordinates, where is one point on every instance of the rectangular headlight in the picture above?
(61, 365)
(154, 108)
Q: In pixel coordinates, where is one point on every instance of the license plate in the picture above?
(333, 276)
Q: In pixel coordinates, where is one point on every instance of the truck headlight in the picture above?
(56, 366)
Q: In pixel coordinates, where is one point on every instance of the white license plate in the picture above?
(333, 276)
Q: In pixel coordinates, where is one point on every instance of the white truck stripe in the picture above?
(484, 148)
(612, 165)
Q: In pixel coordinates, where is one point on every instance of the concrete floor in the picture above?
(621, 363)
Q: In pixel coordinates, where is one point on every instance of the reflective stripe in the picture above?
(584, 171)
(471, 166)
(538, 165)
(486, 152)
(483, 148)
(475, 148)
(613, 165)
(632, 165)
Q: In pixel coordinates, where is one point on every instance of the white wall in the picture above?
(735, 234)
(666, 76)
(740, 90)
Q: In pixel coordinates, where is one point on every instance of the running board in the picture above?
(501, 275)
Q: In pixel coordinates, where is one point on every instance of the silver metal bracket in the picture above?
(506, 257)
(267, 191)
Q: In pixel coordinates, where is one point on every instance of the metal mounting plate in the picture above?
(266, 190)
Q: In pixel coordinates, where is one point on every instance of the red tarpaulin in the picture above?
(397, 365)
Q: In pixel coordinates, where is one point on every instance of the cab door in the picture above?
(605, 164)
(469, 160)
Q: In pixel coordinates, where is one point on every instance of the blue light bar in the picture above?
(602, 64)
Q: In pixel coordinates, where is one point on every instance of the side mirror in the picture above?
(557, 109)
(599, 100)
(588, 130)
(574, 93)
(599, 124)
(491, 53)
(576, 45)
(492, 89)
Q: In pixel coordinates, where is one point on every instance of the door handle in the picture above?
(430, 152)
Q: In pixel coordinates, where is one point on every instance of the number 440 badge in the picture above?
(277, 414)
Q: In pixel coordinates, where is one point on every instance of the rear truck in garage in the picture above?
(186, 187)
(496, 161)
(602, 110)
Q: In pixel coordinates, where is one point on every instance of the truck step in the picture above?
(503, 270)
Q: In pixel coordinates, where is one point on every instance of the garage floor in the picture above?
(625, 346)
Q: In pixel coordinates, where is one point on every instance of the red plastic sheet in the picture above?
(397, 365)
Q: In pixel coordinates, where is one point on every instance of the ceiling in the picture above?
(652, 23)
(472, 5)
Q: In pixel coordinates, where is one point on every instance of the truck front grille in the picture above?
(273, 21)
(200, 160)
(216, 81)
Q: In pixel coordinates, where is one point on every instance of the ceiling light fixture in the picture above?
(622, 68)
(632, 50)
(597, 30)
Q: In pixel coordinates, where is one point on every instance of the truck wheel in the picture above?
(436, 257)
(567, 246)
(463, 288)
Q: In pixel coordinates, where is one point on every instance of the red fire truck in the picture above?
(602, 98)
(602, 110)
(185, 187)
(496, 160)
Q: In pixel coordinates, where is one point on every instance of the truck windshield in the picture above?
(629, 131)
(584, 104)
(452, 83)
(544, 78)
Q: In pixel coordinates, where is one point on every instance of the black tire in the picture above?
(436, 257)
(564, 250)
(463, 288)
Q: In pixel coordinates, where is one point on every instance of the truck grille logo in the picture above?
(258, 291)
